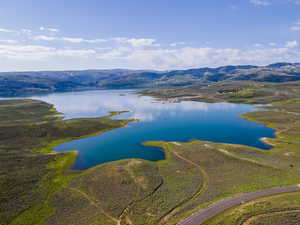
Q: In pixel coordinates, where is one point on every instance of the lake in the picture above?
(158, 120)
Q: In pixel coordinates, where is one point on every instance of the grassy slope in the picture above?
(230, 169)
(104, 193)
(30, 172)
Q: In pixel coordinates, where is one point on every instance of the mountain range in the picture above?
(42, 82)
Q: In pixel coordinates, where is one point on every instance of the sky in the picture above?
(142, 34)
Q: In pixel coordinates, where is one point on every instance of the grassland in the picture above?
(37, 188)
(30, 172)
(234, 91)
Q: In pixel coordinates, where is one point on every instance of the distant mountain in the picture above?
(28, 83)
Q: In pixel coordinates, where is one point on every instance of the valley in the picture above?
(192, 175)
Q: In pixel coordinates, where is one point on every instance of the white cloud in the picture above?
(296, 26)
(67, 39)
(174, 44)
(291, 44)
(81, 40)
(188, 57)
(8, 41)
(260, 2)
(21, 31)
(26, 31)
(135, 53)
(141, 42)
(6, 30)
(39, 52)
(73, 40)
(120, 39)
(49, 29)
(41, 57)
(44, 38)
(136, 42)
(257, 45)
(75, 52)
(24, 52)
(95, 40)
(115, 53)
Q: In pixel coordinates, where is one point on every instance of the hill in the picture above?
(29, 83)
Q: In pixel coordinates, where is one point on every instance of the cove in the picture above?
(158, 121)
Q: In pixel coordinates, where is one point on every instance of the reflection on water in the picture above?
(98, 103)
(166, 121)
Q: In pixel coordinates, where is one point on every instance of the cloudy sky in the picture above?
(143, 34)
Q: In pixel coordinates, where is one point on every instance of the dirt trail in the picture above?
(201, 189)
(252, 219)
(95, 203)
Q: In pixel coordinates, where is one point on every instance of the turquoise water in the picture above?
(185, 121)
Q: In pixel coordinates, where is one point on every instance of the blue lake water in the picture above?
(185, 121)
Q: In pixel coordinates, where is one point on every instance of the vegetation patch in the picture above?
(30, 172)
(234, 91)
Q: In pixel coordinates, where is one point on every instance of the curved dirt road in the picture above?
(218, 207)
